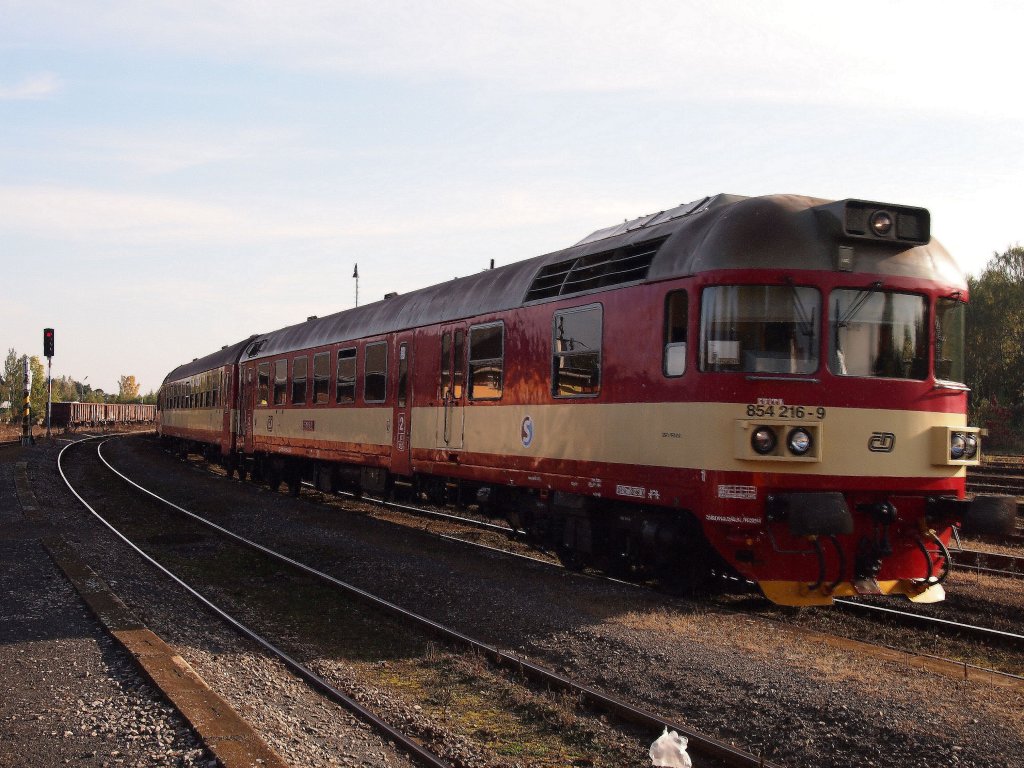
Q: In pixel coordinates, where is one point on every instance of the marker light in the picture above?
(799, 441)
(763, 440)
(881, 223)
(957, 446)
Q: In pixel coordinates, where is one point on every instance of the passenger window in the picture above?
(263, 386)
(299, 371)
(576, 352)
(375, 377)
(321, 377)
(486, 361)
(280, 382)
(346, 390)
(674, 360)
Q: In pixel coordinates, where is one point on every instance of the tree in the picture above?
(66, 389)
(12, 391)
(150, 398)
(37, 395)
(94, 396)
(128, 389)
(994, 354)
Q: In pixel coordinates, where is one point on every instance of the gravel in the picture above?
(770, 690)
(72, 696)
(296, 722)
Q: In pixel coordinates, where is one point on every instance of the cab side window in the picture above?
(674, 349)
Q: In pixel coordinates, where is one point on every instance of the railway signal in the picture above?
(47, 342)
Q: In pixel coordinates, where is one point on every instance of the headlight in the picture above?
(972, 445)
(881, 222)
(957, 445)
(763, 440)
(799, 441)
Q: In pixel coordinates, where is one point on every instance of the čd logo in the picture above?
(882, 442)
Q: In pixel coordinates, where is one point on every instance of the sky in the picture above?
(175, 176)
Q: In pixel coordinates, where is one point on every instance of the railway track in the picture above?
(994, 563)
(875, 613)
(984, 562)
(932, 622)
(424, 756)
(1001, 475)
(722, 753)
(997, 564)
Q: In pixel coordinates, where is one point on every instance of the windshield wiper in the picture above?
(858, 304)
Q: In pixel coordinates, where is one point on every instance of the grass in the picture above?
(455, 689)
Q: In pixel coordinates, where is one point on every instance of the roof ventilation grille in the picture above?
(582, 274)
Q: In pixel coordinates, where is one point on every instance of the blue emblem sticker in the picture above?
(526, 431)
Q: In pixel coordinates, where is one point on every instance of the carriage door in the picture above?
(401, 434)
(248, 403)
(452, 390)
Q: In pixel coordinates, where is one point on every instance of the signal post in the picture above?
(48, 352)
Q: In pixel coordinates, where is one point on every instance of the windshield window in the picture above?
(950, 317)
(759, 329)
(878, 333)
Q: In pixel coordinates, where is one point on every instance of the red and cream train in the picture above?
(770, 386)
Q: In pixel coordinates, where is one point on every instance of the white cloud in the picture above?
(172, 148)
(82, 213)
(41, 85)
(126, 219)
(901, 55)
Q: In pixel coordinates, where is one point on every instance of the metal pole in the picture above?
(49, 394)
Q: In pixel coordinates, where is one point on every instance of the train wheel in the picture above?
(273, 476)
(436, 492)
(689, 575)
(572, 559)
(293, 479)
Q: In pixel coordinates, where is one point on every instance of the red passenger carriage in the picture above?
(765, 386)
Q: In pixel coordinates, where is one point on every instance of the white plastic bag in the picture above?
(669, 751)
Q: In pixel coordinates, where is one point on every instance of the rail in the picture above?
(699, 743)
(312, 678)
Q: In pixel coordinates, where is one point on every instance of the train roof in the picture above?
(226, 355)
(723, 232)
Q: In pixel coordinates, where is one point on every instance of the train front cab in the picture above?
(845, 470)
